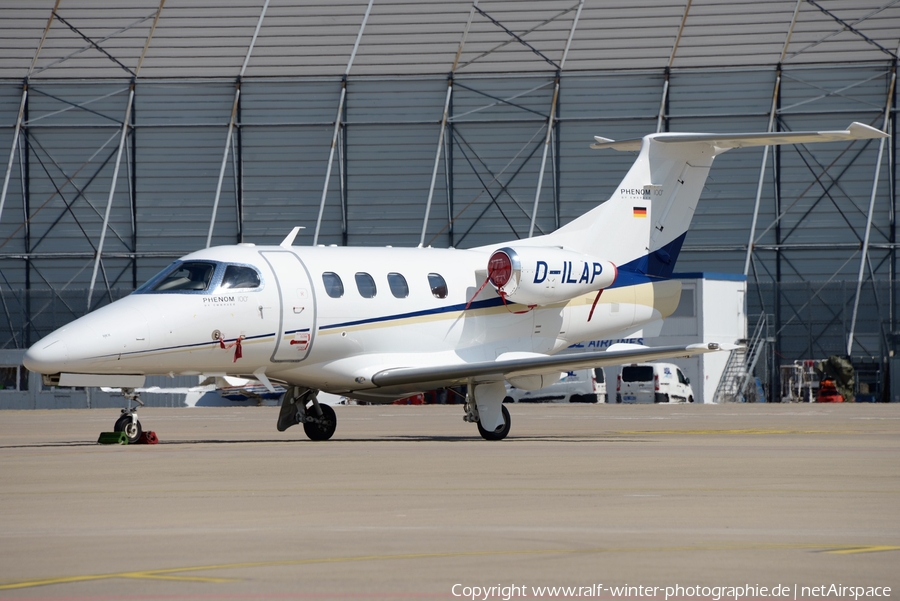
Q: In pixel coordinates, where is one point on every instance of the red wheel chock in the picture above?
(148, 438)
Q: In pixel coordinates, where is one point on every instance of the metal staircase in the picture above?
(741, 364)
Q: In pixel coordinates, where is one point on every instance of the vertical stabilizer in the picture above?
(644, 223)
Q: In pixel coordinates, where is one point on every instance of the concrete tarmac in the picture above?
(407, 502)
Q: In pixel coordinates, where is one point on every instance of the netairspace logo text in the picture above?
(712, 593)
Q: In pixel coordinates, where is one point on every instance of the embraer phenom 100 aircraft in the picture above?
(378, 324)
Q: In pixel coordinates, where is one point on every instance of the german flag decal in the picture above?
(640, 212)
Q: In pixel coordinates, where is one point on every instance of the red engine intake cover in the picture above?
(499, 269)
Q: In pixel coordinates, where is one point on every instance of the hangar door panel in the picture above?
(297, 312)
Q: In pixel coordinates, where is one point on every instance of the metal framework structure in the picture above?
(174, 111)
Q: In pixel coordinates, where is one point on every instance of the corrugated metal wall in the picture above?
(276, 169)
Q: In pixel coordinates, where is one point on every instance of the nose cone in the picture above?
(92, 344)
(48, 356)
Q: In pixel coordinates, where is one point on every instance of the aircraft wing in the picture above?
(503, 368)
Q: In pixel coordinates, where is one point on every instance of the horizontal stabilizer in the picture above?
(634, 144)
(855, 131)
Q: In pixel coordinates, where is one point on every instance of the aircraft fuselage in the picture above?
(327, 317)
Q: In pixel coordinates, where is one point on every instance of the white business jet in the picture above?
(378, 324)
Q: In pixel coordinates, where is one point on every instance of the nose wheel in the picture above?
(130, 425)
(128, 422)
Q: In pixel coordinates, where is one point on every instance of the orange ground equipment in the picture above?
(828, 393)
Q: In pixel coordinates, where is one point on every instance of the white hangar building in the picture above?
(134, 132)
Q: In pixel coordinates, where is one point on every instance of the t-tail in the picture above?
(642, 226)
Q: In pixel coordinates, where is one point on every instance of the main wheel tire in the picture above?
(325, 427)
(131, 428)
(497, 434)
(690, 399)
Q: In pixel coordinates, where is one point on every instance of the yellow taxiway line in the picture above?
(177, 574)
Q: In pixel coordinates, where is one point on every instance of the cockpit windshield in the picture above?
(239, 276)
(191, 276)
(198, 277)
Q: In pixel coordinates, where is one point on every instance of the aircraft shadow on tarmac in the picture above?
(580, 438)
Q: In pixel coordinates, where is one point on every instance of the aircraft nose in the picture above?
(47, 356)
(93, 343)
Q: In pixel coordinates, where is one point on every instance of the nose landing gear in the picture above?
(128, 422)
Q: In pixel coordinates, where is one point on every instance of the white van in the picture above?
(653, 383)
(579, 386)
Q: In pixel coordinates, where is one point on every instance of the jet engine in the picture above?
(542, 276)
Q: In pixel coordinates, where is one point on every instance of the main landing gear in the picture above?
(484, 407)
(300, 406)
(128, 422)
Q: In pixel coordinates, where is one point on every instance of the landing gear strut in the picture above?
(300, 406)
(128, 421)
(484, 406)
(501, 432)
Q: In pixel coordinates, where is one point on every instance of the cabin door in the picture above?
(297, 314)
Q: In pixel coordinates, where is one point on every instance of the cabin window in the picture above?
(334, 287)
(191, 275)
(399, 287)
(366, 285)
(238, 276)
(438, 285)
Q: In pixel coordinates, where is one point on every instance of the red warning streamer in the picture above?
(477, 292)
(238, 351)
(500, 292)
(503, 298)
(594, 306)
